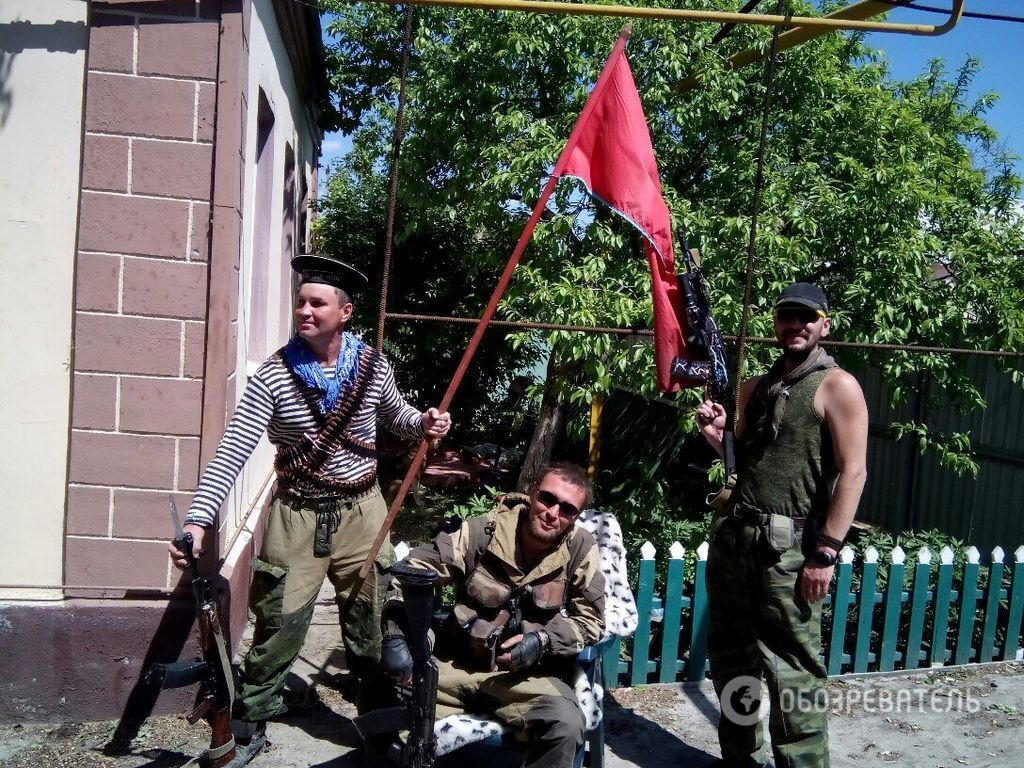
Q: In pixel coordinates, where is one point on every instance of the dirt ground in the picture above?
(941, 718)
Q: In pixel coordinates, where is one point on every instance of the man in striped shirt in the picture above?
(318, 399)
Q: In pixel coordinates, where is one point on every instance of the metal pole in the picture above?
(681, 14)
(794, 37)
(396, 156)
(596, 412)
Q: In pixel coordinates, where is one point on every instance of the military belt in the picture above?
(752, 515)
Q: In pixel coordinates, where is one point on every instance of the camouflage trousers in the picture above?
(286, 581)
(761, 631)
(540, 709)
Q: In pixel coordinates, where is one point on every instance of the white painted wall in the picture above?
(270, 70)
(41, 91)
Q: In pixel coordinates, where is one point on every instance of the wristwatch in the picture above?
(823, 558)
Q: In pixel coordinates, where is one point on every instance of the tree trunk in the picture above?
(550, 422)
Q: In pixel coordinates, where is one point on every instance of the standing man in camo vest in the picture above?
(318, 399)
(529, 597)
(801, 436)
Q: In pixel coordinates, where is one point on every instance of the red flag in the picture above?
(610, 150)
(613, 157)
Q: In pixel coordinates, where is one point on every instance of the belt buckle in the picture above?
(743, 511)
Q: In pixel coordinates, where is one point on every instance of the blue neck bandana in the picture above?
(299, 358)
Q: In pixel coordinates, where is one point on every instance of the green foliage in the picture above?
(865, 196)
(953, 450)
(475, 505)
(912, 542)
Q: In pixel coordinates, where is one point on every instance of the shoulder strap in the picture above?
(312, 453)
(579, 548)
(480, 536)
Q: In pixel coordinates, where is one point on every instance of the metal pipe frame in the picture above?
(830, 22)
(793, 37)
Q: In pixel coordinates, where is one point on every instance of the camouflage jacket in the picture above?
(562, 594)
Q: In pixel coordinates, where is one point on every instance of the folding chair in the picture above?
(464, 738)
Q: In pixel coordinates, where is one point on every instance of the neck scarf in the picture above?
(773, 389)
(300, 359)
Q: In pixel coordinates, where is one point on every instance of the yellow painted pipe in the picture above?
(830, 22)
(790, 39)
(596, 411)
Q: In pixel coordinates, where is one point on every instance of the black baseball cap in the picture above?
(804, 294)
(328, 270)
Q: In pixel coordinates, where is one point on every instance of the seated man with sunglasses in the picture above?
(801, 437)
(529, 597)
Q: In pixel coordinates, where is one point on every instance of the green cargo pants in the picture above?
(540, 709)
(759, 629)
(286, 580)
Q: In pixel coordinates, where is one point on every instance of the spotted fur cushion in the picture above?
(457, 731)
(620, 616)
(620, 619)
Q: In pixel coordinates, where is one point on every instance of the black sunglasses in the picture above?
(802, 315)
(548, 499)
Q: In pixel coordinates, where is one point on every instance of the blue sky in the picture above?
(999, 45)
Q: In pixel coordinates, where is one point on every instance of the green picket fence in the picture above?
(879, 616)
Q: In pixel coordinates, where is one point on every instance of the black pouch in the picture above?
(327, 519)
(487, 590)
(478, 636)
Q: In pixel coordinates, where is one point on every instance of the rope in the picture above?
(402, 317)
(758, 187)
(396, 151)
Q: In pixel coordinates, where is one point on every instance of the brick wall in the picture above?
(141, 286)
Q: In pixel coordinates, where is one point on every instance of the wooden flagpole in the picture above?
(499, 291)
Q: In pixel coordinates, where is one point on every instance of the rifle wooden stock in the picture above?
(217, 687)
(221, 737)
(216, 693)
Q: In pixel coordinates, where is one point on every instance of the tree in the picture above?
(869, 184)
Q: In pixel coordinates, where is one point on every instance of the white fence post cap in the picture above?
(898, 556)
(702, 550)
(676, 551)
(946, 555)
(846, 555)
(1018, 554)
(998, 555)
(647, 551)
(973, 555)
(871, 555)
(924, 555)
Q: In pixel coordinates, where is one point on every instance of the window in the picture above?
(289, 240)
(259, 283)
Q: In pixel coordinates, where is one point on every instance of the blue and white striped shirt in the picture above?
(275, 402)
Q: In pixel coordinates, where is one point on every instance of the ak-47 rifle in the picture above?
(213, 671)
(705, 341)
(418, 709)
(418, 594)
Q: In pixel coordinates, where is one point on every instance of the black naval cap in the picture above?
(328, 270)
(805, 294)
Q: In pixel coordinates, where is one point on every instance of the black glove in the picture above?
(528, 652)
(395, 656)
